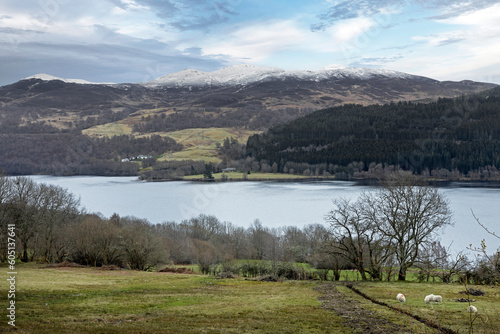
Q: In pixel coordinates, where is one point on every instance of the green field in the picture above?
(87, 300)
(199, 143)
(91, 300)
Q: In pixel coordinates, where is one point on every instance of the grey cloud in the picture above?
(356, 8)
(353, 9)
(14, 31)
(191, 14)
(98, 62)
(193, 51)
(450, 41)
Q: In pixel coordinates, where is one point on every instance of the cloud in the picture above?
(443, 39)
(375, 62)
(257, 41)
(97, 62)
(193, 51)
(488, 16)
(451, 8)
(348, 30)
(353, 9)
(191, 14)
(126, 4)
(482, 28)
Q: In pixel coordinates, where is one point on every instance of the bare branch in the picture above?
(484, 227)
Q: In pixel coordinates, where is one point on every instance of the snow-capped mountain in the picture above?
(241, 75)
(241, 88)
(248, 74)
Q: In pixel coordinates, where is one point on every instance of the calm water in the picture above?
(275, 204)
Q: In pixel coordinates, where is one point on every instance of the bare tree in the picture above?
(22, 210)
(435, 261)
(259, 238)
(355, 237)
(206, 255)
(488, 263)
(84, 239)
(295, 244)
(5, 196)
(408, 213)
(320, 254)
(58, 209)
(142, 248)
(347, 231)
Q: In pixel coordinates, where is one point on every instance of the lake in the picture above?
(275, 204)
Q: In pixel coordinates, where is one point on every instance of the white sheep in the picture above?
(401, 298)
(472, 309)
(433, 299)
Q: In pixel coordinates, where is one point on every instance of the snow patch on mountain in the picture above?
(233, 75)
(248, 74)
(48, 77)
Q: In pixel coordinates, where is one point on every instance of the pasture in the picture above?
(93, 300)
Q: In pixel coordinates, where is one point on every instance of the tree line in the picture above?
(380, 235)
(72, 154)
(460, 134)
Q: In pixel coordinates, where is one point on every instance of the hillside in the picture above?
(192, 106)
(455, 135)
(238, 96)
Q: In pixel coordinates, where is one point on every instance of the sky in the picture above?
(140, 40)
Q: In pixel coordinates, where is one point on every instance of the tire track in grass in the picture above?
(355, 316)
(425, 321)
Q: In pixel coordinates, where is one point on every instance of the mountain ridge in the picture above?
(245, 74)
(245, 96)
(249, 74)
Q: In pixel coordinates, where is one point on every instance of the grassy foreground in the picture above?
(87, 300)
(91, 300)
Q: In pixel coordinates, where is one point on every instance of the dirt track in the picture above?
(361, 320)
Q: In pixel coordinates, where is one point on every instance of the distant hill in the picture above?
(460, 134)
(46, 109)
(237, 96)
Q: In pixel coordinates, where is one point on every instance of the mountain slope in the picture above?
(461, 134)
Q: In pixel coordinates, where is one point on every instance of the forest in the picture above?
(457, 135)
(77, 154)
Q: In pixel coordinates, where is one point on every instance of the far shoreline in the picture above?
(463, 183)
(450, 183)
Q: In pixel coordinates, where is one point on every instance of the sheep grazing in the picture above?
(433, 299)
(401, 298)
(472, 309)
